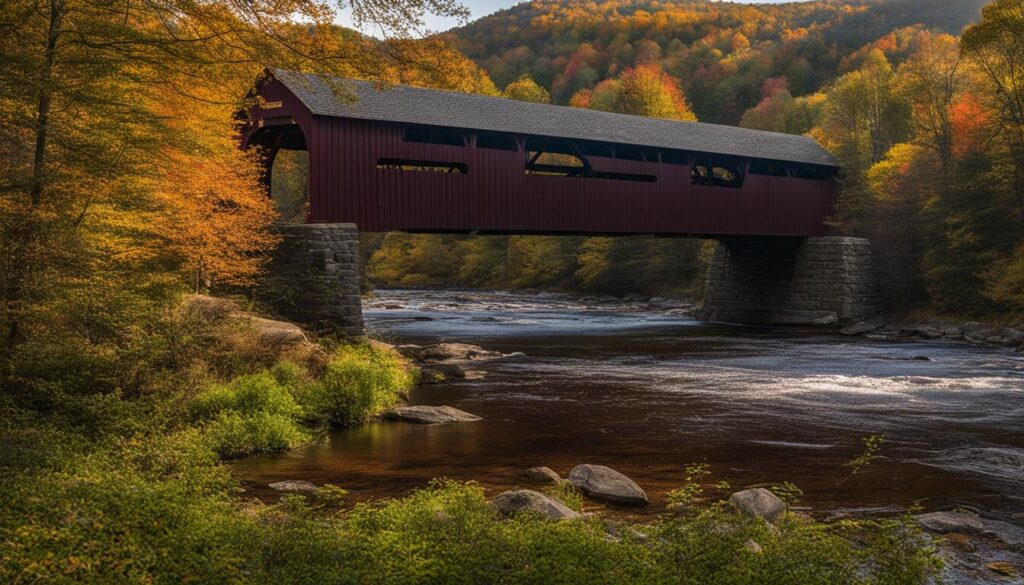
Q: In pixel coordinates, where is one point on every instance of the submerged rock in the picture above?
(430, 415)
(942, 522)
(604, 483)
(542, 475)
(517, 501)
(759, 503)
(294, 486)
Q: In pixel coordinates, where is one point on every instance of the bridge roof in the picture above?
(414, 105)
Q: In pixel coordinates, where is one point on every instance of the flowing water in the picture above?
(647, 390)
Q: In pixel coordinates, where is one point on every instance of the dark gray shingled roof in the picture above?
(414, 105)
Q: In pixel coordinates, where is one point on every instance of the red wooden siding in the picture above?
(497, 196)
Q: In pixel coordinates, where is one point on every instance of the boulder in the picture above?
(380, 345)
(541, 475)
(277, 333)
(517, 501)
(606, 484)
(978, 332)
(942, 522)
(454, 351)
(1010, 534)
(294, 486)
(449, 371)
(211, 307)
(430, 415)
(440, 372)
(759, 503)
(864, 326)
(409, 350)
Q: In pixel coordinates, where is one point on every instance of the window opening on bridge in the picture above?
(809, 172)
(562, 158)
(713, 171)
(556, 164)
(496, 141)
(401, 164)
(434, 135)
(768, 168)
(558, 158)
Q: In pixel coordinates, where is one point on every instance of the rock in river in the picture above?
(514, 502)
(759, 503)
(293, 485)
(542, 475)
(603, 483)
(454, 351)
(963, 522)
(437, 373)
(431, 415)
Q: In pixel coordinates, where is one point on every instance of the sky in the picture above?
(481, 8)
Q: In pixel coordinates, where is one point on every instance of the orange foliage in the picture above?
(971, 122)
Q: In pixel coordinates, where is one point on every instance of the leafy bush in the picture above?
(255, 393)
(251, 414)
(232, 435)
(359, 383)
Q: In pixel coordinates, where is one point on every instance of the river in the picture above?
(647, 390)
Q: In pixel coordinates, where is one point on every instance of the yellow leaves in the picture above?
(885, 177)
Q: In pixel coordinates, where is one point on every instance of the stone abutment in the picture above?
(791, 281)
(313, 278)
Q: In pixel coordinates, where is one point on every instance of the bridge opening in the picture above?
(289, 185)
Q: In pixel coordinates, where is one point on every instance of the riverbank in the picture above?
(132, 487)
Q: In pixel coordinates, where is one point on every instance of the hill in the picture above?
(721, 52)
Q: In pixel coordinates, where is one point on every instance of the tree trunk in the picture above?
(26, 235)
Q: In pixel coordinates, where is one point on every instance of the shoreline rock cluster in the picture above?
(974, 547)
(971, 332)
(445, 362)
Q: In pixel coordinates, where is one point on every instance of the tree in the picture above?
(862, 117)
(930, 80)
(120, 177)
(641, 91)
(526, 89)
(779, 111)
(996, 46)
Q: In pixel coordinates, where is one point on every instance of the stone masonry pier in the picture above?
(313, 278)
(791, 281)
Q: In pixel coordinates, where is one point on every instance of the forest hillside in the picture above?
(919, 103)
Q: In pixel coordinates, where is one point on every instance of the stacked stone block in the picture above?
(794, 281)
(313, 278)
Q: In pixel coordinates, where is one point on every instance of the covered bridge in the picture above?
(424, 160)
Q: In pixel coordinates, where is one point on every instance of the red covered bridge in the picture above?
(424, 160)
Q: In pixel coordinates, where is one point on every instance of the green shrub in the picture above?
(255, 393)
(568, 494)
(359, 383)
(232, 435)
(251, 414)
